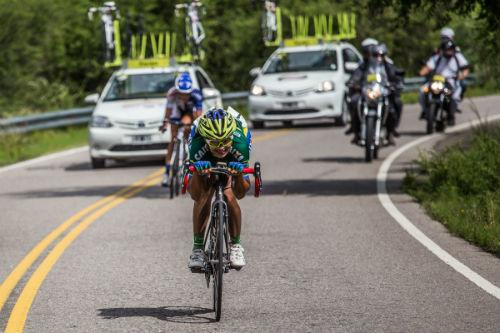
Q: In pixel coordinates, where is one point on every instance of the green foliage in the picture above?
(461, 187)
(52, 55)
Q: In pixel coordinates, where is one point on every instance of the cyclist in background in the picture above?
(184, 104)
(218, 136)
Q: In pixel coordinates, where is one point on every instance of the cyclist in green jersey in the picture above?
(218, 136)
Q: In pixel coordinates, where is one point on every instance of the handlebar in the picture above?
(255, 171)
(246, 171)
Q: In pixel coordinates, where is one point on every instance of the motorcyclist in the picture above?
(378, 55)
(448, 34)
(354, 84)
(454, 67)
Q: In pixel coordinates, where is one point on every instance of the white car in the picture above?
(303, 82)
(125, 121)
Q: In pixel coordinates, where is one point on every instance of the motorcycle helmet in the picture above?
(447, 33)
(448, 48)
(366, 47)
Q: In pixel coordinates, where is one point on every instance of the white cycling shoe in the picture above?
(236, 257)
(164, 181)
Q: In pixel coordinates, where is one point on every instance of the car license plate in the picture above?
(141, 138)
(289, 105)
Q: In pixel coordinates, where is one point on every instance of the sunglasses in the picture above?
(220, 143)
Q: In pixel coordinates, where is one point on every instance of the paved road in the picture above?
(323, 254)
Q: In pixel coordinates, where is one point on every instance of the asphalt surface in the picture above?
(322, 253)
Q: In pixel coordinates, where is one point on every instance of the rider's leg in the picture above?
(234, 192)
(170, 147)
(421, 100)
(201, 192)
(355, 121)
(186, 121)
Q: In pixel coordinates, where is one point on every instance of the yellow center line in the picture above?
(20, 312)
(271, 135)
(15, 276)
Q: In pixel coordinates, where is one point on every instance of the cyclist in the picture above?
(184, 104)
(218, 136)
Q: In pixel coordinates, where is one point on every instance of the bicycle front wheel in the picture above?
(218, 271)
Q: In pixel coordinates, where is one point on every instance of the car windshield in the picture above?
(323, 60)
(132, 86)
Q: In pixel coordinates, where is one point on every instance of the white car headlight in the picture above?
(100, 121)
(326, 86)
(257, 90)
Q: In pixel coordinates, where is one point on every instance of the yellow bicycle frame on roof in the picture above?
(327, 28)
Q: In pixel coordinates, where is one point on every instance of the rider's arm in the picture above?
(429, 66)
(241, 182)
(463, 66)
(169, 107)
(198, 103)
(424, 71)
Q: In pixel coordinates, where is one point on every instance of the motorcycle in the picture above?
(374, 111)
(438, 95)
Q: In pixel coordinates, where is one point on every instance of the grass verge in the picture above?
(411, 97)
(19, 147)
(460, 187)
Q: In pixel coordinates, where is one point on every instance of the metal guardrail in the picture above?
(81, 116)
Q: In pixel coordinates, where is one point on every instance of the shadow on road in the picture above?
(335, 159)
(177, 314)
(155, 192)
(85, 166)
(320, 187)
(310, 187)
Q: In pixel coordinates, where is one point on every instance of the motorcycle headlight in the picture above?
(437, 87)
(373, 93)
(325, 86)
(257, 90)
(100, 121)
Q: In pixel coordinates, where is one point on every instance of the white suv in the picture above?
(125, 121)
(303, 82)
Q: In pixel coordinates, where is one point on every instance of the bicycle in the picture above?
(216, 241)
(195, 33)
(269, 22)
(179, 156)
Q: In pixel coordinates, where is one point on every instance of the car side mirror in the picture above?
(92, 99)
(255, 71)
(350, 67)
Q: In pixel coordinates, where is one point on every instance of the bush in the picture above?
(460, 187)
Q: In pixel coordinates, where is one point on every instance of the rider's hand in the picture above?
(164, 127)
(236, 167)
(202, 166)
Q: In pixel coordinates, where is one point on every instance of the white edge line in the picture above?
(406, 224)
(43, 159)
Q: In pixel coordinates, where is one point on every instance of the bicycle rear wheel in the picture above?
(218, 271)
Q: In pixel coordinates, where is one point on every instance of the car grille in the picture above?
(285, 112)
(138, 124)
(153, 146)
(285, 93)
